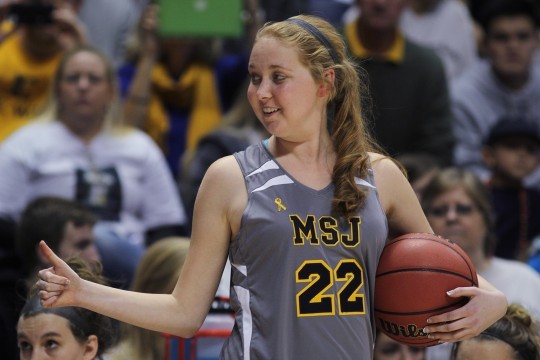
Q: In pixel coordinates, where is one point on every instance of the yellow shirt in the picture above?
(395, 54)
(24, 84)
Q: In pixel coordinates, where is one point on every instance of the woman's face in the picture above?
(389, 349)
(84, 89)
(474, 349)
(282, 91)
(49, 337)
(455, 216)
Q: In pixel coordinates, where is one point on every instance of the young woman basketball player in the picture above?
(303, 217)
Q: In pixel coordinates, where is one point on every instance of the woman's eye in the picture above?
(25, 346)
(278, 78)
(51, 344)
(255, 79)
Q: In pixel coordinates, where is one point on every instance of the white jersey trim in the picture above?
(247, 320)
(363, 182)
(269, 165)
(278, 180)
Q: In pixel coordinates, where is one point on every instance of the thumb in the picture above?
(50, 255)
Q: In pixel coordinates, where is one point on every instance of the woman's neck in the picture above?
(85, 129)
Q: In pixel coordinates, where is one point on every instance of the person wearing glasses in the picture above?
(504, 84)
(458, 207)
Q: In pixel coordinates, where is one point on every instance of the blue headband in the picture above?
(318, 35)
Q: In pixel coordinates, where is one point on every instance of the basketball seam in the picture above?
(426, 270)
(460, 303)
(420, 236)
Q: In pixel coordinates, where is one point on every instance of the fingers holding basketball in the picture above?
(56, 284)
(468, 321)
(415, 272)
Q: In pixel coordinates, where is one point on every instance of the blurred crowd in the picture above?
(108, 124)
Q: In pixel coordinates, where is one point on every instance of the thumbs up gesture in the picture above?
(58, 284)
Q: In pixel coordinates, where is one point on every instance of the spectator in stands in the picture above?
(387, 348)
(157, 273)
(411, 107)
(67, 332)
(458, 207)
(83, 152)
(29, 57)
(445, 26)
(65, 224)
(512, 152)
(504, 85)
(170, 89)
(514, 336)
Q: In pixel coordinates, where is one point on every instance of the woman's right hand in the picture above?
(59, 284)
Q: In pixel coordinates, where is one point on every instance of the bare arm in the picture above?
(220, 199)
(138, 97)
(405, 215)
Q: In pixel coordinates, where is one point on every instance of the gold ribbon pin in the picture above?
(280, 206)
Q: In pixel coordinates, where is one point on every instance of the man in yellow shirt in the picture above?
(28, 58)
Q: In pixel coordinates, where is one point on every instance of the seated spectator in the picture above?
(445, 26)
(516, 336)
(411, 106)
(170, 89)
(67, 332)
(458, 207)
(387, 348)
(29, 57)
(84, 153)
(503, 86)
(157, 273)
(65, 225)
(512, 152)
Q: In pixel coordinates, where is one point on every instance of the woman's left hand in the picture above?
(485, 306)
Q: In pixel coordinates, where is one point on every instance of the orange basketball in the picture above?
(414, 273)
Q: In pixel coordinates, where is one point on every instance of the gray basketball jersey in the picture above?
(302, 284)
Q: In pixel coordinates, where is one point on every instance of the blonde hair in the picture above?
(350, 136)
(114, 120)
(156, 273)
(517, 328)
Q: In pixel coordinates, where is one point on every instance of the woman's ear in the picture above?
(91, 347)
(327, 84)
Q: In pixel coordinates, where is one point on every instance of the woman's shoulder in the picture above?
(383, 164)
(34, 135)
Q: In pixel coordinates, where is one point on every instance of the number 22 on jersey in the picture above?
(315, 299)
